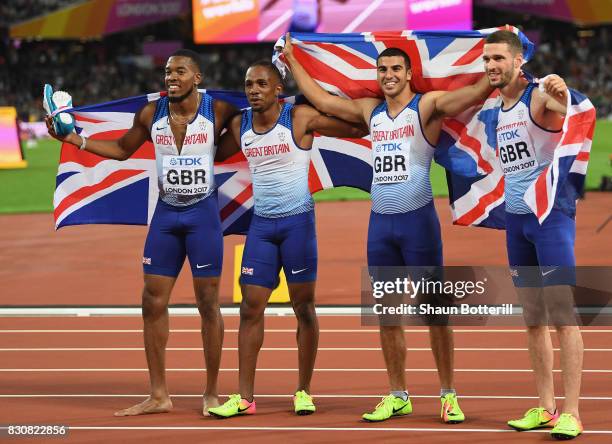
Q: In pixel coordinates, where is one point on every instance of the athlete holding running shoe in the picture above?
(183, 126)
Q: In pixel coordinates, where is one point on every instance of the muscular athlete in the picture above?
(540, 256)
(404, 229)
(183, 126)
(276, 138)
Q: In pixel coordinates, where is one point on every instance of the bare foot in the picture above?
(208, 402)
(146, 407)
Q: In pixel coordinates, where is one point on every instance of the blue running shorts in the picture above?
(193, 231)
(289, 242)
(541, 255)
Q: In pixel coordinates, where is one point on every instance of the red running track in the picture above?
(78, 371)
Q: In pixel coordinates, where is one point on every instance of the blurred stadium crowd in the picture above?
(13, 11)
(115, 67)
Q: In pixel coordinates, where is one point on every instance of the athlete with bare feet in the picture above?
(183, 126)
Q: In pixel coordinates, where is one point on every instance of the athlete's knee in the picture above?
(303, 300)
(305, 312)
(207, 297)
(154, 303)
(209, 310)
(561, 318)
(251, 313)
(252, 308)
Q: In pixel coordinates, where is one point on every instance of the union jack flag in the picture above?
(561, 182)
(93, 190)
(345, 64)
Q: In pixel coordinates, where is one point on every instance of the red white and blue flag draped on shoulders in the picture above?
(91, 189)
(345, 64)
(94, 190)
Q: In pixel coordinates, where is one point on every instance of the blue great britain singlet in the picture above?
(524, 149)
(401, 159)
(279, 167)
(186, 178)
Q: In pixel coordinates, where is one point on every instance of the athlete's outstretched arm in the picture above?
(349, 110)
(119, 149)
(229, 142)
(331, 126)
(451, 103)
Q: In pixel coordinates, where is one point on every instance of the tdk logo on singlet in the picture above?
(508, 135)
(186, 161)
(386, 147)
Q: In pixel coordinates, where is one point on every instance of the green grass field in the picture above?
(30, 189)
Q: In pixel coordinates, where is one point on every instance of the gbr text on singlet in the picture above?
(186, 175)
(515, 148)
(391, 151)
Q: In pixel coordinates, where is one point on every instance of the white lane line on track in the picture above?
(324, 429)
(271, 311)
(199, 349)
(231, 311)
(461, 370)
(377, 396)
(282, 330)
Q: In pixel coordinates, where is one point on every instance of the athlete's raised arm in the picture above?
(328, 126)
(556, 94)
(440, 104)
(229, 142)
(358, 110)
(119, 149)
(548, 108)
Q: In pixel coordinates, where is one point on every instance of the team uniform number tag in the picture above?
(516, 154)
(391, 163)
(186, 175)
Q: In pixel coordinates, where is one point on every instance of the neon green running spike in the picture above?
(388, 407)
(451, 413)
(233, 407)
(535, 418)
(568, 427)
(303, 404)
